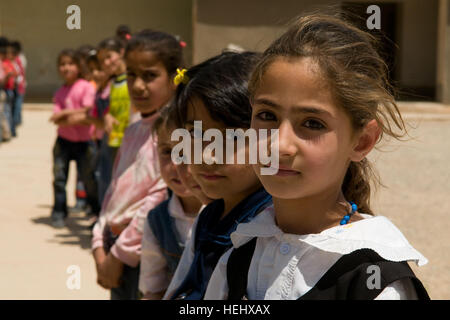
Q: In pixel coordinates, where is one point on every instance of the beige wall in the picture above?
(41, 27)
(254, 24)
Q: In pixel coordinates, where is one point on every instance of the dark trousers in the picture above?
(83, 153)
(129, 287)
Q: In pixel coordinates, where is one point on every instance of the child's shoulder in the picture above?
(83, 84)
(373, 232)
(143, 126)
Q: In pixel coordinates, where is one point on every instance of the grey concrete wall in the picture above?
(41, 27)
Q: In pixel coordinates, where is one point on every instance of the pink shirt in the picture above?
(76, 96)
(136, 187)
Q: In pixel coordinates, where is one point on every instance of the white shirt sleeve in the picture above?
(183, 266)
(153, 271)
(402, 289)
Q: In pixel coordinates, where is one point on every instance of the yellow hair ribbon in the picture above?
(181, 77)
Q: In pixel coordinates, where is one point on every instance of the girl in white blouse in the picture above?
(324, 87)
(168, 226)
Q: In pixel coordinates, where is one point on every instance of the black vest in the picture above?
(164, 229)
(346, 280)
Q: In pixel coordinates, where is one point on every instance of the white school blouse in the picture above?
(286, 266)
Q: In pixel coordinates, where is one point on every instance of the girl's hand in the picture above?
(109, 272)
(76, 118)
(57, 117)
(110, 122)
(99, 257)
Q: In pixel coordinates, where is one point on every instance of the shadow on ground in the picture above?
(76, 231)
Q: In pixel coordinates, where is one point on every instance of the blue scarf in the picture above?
(212, 239)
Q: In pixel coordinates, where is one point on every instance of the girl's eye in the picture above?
(266, 116)
(165, 151)
(313, 124)
(149, 77)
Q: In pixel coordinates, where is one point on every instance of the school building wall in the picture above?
(41, 28)
(254, 24)
(208, 26)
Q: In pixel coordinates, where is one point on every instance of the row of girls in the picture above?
(174, 230)
(12, 87)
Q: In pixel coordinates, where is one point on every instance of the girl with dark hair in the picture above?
(74, 98)
(215, 93)
(324, 87)
(168, 226)
(136, 186)
(110, 56)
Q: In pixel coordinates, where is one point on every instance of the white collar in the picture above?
(376, 233)
(176, 209)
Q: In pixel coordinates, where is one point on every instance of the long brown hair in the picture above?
(357, 77)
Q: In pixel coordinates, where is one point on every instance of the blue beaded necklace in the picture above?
(350, 214)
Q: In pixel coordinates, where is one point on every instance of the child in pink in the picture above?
(73, 141)
(136, 186)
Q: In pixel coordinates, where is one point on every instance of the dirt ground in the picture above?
(36, 257)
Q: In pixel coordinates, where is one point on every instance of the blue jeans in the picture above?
(18, 101)
(83, 153)
(9, 111)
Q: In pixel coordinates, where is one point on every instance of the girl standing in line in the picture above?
(215, 92)
(110, 53)
(168, 226)
(136, 186)
(75, 97)
(324, 87)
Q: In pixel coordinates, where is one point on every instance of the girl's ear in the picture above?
(366, 141)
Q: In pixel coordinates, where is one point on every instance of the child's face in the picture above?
(219, 181)
(149, 85)
(68, 69)
(10, 53)
(167, 167)
(184, 172)
(98, 75)
(110, 61)
(316, 139)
